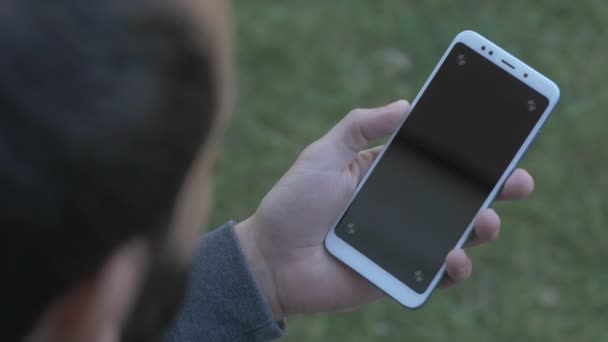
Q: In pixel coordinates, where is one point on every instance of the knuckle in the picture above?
(312, 149)
(356, 112)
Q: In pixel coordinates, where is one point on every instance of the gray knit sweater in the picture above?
(222, 302)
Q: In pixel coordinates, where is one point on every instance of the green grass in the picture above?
(304, 64)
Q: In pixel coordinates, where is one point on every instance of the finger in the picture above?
(364, 161)
(487, 228)
(446, 282)
(360, 127)
(519, 185)
(458, 268)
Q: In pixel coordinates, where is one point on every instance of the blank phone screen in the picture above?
(441, 167)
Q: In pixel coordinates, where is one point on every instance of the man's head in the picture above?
(110, 113)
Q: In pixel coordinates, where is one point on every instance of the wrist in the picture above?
(259, 266)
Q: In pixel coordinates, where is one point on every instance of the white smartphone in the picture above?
(466, 131)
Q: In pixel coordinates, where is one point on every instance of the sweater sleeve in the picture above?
(222, 302)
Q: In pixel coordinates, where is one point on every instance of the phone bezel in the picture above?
(376, 274)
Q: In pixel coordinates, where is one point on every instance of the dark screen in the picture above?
(441, 167)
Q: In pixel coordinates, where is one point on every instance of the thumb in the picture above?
(361, 126)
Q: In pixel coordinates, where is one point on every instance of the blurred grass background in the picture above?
(305, 64)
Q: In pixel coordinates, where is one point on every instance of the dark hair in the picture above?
(103, 106)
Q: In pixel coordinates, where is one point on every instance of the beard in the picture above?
(159, 300)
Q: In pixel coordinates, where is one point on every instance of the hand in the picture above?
(283, 240)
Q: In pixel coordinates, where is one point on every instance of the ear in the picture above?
(95, 308)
